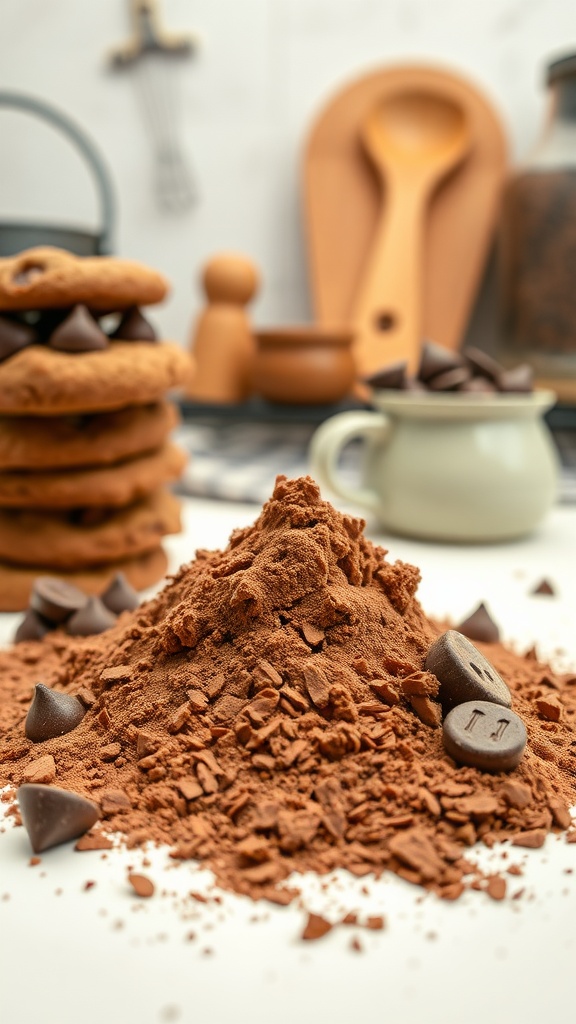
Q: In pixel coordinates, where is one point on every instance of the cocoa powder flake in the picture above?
(273, 715)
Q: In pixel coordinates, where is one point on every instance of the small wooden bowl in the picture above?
(304, 365)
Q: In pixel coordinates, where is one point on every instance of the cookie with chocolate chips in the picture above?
(17, 582)
(116, 485)
(50, 278)
(89, 536)
(91, 439)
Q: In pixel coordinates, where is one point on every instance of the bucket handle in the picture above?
(86, 147)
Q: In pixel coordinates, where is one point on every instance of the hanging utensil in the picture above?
(150, 53)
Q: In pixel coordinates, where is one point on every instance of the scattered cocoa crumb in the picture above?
(142, 885)
(496, 887)
(315, 928)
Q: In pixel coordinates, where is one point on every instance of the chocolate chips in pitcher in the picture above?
(471, 372)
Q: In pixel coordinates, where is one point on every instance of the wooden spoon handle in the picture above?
(388, 313)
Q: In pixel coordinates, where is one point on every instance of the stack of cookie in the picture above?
(84, 423)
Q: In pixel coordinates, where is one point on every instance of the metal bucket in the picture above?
(15, 235)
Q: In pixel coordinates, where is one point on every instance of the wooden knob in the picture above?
(230, 278)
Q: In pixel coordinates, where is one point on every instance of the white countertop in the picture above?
(88, 956)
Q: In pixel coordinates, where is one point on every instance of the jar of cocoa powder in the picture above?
(537, 246)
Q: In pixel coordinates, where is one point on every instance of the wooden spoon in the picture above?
(414, 138)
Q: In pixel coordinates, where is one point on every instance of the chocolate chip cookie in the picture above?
(143, 571)
(86, 537)
(50, 278)
(93, 439)
(42, 381)
(111, 486)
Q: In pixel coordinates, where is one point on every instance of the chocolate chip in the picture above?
(32, 627)
(435, 359)
(392, 376)
(450, 380)
(52, 816)
(79, 332)
(29, 273)
(463, 673)
(483, 364)
(134, 327)
(14, 336)
(478, 386)
(544, 588)
(52, 714)
(54, 599)
(94, 617)
(480, 626)
(519, 379)
(484, 735)
(120, 595)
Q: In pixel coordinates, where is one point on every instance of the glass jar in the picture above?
(537, 246)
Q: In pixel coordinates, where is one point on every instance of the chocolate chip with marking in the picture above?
(464, 673)
(52, 816)
(480, 626)
(78, 332)
(484, 735)
(54, 599)
(93, 618)
(52, 714)
(120, 596)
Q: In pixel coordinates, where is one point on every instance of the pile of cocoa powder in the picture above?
(269, 712)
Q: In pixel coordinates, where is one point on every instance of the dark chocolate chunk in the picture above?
(94, 617)
(120, 596)
(55, 599)
(134, 327)
(52, 816)
(392, 376)
(52, 714)
(480, 626)
(32, 627)
(14, 336)
(435, 359)
(79, 332)
(544, 588)
(484, 735)
(450, 380)
(483, 364)
(463, 673)
(519, 379)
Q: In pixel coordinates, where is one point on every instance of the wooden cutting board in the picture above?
(343, 196)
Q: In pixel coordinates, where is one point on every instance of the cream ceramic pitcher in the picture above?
(446, 467)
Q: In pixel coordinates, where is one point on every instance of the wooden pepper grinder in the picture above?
(222, 341)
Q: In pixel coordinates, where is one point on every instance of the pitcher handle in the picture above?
(82, 142)
(328, 442)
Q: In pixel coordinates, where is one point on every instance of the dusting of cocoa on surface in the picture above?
(269, 712)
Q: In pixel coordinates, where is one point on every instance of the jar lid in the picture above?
(562, 67)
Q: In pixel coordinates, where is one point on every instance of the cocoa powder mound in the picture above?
(269, 712)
